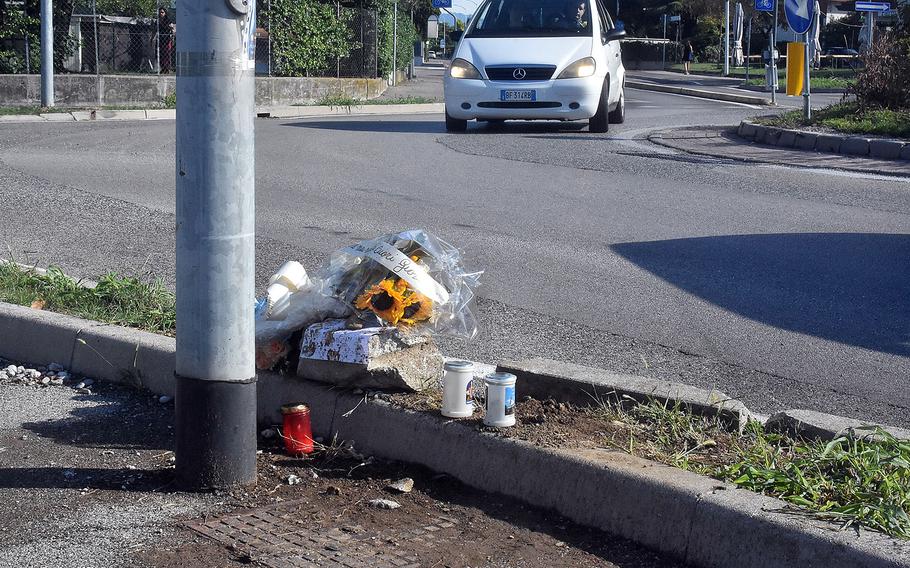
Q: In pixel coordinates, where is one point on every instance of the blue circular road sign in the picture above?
(799, 14)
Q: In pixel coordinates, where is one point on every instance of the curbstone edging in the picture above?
(828, 143)
(821, 426)
(729, 97)
(545, 378)
(855, 146)
(831, 143)
(700, 520)
(886, 149)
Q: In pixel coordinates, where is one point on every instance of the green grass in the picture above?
(346, 101)
(847, 117)
(13, 110)
(861, 479)
(117, 300)
(759, 71)
(840, 83)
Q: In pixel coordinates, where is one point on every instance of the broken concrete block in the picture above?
(821, 426)
(373, 358)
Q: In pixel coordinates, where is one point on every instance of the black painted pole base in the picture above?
(215, 434)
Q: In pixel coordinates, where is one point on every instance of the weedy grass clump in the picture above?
(116, 299)
(860, 479)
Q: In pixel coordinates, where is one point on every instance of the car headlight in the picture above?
(461, 69)
(581, 68)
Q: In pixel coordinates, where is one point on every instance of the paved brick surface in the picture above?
(275, 537)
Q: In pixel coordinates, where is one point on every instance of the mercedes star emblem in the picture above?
(519, 73)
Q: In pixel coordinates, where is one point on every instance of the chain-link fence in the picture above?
(112, 38)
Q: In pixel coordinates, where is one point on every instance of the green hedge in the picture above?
(407, 35)
(308, 36)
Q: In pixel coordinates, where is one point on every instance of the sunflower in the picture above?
(384, 299)
(417, 308)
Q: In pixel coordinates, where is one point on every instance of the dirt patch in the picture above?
(651, 431)
(333, 489)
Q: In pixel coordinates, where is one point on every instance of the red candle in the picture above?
(296, 430)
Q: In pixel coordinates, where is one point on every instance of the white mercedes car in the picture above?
(537, 60)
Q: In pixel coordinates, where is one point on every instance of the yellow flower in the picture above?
(417, 308)
(384, 299)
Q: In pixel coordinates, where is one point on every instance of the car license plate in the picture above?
(514, 96)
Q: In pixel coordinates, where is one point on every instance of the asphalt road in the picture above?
(786, 288)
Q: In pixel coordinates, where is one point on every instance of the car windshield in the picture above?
(529, 18)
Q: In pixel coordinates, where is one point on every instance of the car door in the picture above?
(611, 52)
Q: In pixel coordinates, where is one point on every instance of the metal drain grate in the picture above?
(275, 537)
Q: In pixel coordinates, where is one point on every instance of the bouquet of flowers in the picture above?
(411, 280)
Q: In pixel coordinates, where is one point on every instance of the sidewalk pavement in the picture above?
(723, 142)
(714, 86)
(86, 480)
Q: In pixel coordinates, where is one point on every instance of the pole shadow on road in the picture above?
(845, 287)
(438, 126)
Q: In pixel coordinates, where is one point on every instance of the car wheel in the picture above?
(618, 115)
(599, 122)
(455, 124)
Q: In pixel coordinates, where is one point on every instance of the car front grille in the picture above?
(507, 73)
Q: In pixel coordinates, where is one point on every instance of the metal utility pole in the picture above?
(807, 107)
(748, 47)
(726, 37)
(663, 57)
(47, 54)
(216, 375)
(771, 52)
(395, 46)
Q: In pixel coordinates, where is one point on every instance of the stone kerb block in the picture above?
(855, 146)
(828, 143)
(583, 386)
(805, 141)
(905, 152)
(772, 135)
(746, 130)
(377, 357)
(821, 426)
(886, 149)
(760, 132)
(787, 138)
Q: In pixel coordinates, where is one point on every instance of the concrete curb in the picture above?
(700, 520)
(825, 142)
(582, 386)
(701, 93)
(262, 112)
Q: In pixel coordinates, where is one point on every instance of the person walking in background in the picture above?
(688, 56)
(166, 30)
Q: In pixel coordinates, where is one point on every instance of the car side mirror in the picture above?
(615, 34)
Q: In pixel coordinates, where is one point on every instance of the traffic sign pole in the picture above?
(807, 107)
(771, 54)
(726, 37)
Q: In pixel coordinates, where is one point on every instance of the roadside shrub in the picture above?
(884, 82)
(11, 62)
(308, 36)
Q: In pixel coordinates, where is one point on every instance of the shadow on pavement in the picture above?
(438, 126)
(117, 479)
(845, 287)
(366, 125)
(115, 422)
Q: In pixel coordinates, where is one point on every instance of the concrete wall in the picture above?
(132, 90)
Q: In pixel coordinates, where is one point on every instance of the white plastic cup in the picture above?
(292, 275)
(457, 401)
(500, 401)
(290, 278)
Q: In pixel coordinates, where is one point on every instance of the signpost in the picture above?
(873, 8)
(799, 17)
